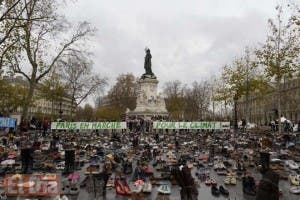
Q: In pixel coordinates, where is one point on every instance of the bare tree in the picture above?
(175, 103)
(223, 95)
(76, 71)
(39, 42)
(123, 94)
(197, 99)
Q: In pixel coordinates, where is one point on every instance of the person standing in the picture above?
(45, 127)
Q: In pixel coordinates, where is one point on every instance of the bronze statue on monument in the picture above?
(147, 65)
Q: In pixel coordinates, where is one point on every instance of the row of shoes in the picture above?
(217, 191)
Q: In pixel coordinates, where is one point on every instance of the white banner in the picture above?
(192, 125)
(87, 125)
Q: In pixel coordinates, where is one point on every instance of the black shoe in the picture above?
(214, 190)
(223, 190)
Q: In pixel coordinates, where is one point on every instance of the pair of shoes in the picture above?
(65, 189)
(210, 181)
(110, 183)
(214, 190)
(122, 189)
(223, 190)
(164, 189)
(93, 169)
(74, 190)
(3, 196)
(230, 180)
(147, 187)
(126, 187)
(137, 188)
(148, 171)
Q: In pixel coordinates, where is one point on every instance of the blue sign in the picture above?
(7, 122)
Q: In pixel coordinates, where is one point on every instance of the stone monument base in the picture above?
(149, 102)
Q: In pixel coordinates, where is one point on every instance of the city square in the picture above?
(162, 100)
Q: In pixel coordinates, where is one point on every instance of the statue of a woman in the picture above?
(147, 64)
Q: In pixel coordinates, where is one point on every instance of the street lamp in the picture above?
(52, 95)
(235, 122)
(60, 111)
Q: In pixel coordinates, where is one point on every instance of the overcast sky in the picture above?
(189, 39)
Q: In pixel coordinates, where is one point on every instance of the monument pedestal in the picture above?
(149, 102)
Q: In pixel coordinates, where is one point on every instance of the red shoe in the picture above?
(126, 187)
(213, 182)
(119, 188)
(207, 182)
(147, 170)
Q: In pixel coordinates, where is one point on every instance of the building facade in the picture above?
(42, 107)
(263, 107)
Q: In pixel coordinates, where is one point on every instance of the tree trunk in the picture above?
(279, 105)
(247, 92)
(72, 105)
(213, 111)
(247, 118)
(235, 123)
(225, 107)
(28, 100)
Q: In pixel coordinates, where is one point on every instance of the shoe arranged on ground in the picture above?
(64, 198)
(147, 187)
(92, 169)
(136, 188)
(65, 189)
(208, 181)
(3, 196)
(147, 170)
(74, 190)
(164, 189)
(233, 180)
(227, 180)
(230, 180)
(295, 189)
(110, 183)
(213, 181)
(214, 190)
(126, 187)
(223, 190)
(119, 188)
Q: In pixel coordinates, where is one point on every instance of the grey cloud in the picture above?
(189, 41)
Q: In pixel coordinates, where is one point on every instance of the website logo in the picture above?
(32, 185)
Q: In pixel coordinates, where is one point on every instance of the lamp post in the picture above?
(52, 95)
(235, 120)
(60, 111)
